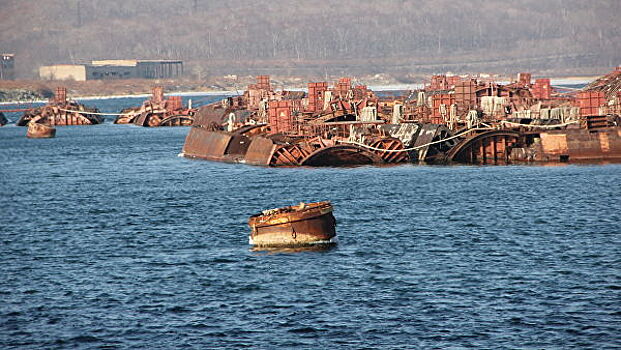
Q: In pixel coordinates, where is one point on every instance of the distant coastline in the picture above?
(385, 87)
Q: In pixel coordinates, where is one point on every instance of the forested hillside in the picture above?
(316, 37)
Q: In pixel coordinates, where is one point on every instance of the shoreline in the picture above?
(389, 87)
(109, 97)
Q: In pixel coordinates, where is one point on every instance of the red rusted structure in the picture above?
(342, 87)
(62, 111)
(303, 224)
(158, 111)
(38, 130)
(589, 102)
(492, 147)
(452, 119)
(281, 116)
(542, 89)
(524, 79)
(316, 97)
(443, 82)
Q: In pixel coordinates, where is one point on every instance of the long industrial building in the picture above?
(113, 69)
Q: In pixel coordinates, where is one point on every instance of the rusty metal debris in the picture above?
(158, 111)
(303, 224)
(38, 130)
(451, 119)
(62, 111)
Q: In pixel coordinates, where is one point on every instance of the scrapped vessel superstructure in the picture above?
(452, 119)
(62, 111)
(158, 111)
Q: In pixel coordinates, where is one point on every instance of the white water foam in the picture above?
(333, 240)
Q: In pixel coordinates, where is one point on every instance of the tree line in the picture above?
(312, 36)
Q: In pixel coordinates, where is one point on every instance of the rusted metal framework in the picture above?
(452, 119)
(491, 147)
(62, 111)
(158, 111)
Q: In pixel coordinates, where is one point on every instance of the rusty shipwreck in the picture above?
(452, 119)
(158, 111)
(61, 111)
(38, 130)
(303, 224)
(326, 127)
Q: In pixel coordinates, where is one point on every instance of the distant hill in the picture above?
(317, 37)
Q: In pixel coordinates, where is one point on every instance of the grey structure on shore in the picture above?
(7, 66)
(113, 69)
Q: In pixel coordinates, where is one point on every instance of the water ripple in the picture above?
(109, 240)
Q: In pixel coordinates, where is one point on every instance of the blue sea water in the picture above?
(108, 239)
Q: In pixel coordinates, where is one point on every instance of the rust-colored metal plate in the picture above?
(201, 143)
(260, 151)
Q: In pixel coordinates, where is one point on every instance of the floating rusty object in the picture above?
(37, 130)
(177, 120)
(304, 224)
(206, 144)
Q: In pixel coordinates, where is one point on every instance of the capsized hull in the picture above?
(294, 227)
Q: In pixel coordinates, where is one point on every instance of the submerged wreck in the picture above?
(62, 111)
(451, 120)
(158, 111)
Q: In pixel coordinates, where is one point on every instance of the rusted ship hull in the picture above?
(127, 116)
(490, 147)
(59, 117)
(494, 147)
(469, 121)
(573, 145)
(40, 131)
(222, 146)
(313, 225)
